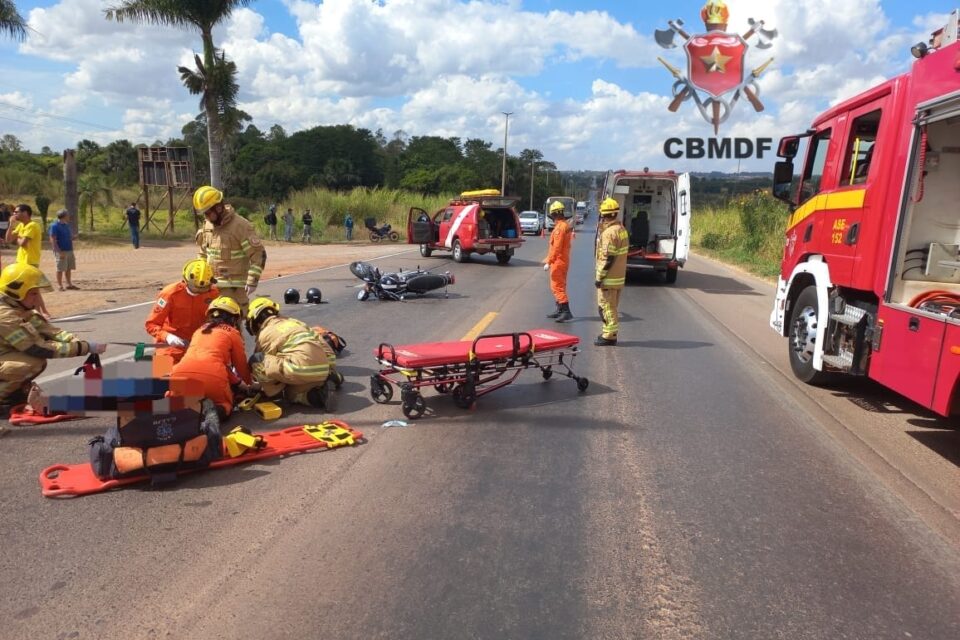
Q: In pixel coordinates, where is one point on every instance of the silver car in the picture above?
(530, 222)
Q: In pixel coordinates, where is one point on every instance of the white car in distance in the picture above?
(530, 222)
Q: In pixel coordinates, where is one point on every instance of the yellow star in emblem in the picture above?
(716, 61)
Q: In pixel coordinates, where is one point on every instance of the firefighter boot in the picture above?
(565, 315)
(556, 313)
(605, 342)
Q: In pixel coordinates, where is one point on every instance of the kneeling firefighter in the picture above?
(558, 261)
(215, 359)
(613, 242)
(27, 340)
(290, 357)
(181, 308)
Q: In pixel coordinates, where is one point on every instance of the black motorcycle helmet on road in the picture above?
(291, 296)
(313, 295)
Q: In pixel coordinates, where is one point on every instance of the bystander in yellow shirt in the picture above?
(30, 253)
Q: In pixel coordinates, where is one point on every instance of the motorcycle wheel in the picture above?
(374, 237)
(362, 295)
(394, 236)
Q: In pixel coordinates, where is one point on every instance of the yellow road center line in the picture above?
(480, 326)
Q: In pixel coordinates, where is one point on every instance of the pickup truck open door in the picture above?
(420, 227)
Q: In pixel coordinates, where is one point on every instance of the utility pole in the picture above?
(503, 171)
(532, 165)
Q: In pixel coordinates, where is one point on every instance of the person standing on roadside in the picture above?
(229, 244)
(558, 262)
(271, 220)
(26, 233)
(133, 220)
(288, 225)
(611, 270)
(307, 226)
(61, 240)
(348, 223)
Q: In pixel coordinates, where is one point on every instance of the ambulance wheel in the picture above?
(582, 384)
(670, 276)
(415, 407)
(463, 398)
(380, 391)
(802, 339)
(394, 236)
(503, 257)
(547, 373)
(459, 255)
(374, 237)
(425, 251)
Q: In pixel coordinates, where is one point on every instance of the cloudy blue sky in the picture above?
(580, 76)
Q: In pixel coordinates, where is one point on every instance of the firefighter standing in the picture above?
(289, 356)
(611, 269)
(229, 243)
(27, 340)
(215, 359)
(181, 308)
(558, 261)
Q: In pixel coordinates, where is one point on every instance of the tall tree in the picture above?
(203, 15)
(11, 22)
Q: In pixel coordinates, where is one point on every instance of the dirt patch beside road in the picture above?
(119, 275)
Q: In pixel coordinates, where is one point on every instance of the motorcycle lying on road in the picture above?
(398, 285)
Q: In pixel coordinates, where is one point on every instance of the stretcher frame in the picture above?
(467, 380)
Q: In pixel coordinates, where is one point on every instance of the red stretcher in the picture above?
(468, 370)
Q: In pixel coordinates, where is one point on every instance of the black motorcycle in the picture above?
(399, 285)
(379, 233)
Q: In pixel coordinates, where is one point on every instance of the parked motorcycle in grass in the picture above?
(398, 285)
(379, 233)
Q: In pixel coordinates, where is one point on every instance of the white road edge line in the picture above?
(123, 356)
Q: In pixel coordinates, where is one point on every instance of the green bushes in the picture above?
(748, 231)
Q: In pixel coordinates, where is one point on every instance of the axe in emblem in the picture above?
(764, 36)
(665, 37)
(684, 93)
(750, 91)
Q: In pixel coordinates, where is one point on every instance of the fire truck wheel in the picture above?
(670, 276)
(802, 339)
(425, 251)
(459, 255)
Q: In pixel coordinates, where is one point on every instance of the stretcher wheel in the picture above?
(582, 384)
(380, 391)
(463, 398)
(443, 387)
(547, 373)
(415, 407)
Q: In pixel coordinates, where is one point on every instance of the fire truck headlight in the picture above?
(919, 50)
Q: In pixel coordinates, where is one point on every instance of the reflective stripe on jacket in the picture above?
(177, 311)
(233, 249)
(27, 331)
(612, 247)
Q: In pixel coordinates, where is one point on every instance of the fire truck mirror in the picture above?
(788, 147)
(782, 179)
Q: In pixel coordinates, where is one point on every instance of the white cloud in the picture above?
(450, 67)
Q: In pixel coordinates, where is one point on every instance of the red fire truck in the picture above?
(870, 279)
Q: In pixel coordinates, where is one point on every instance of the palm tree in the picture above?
(11, 22)
(193, 14)
(93, 188)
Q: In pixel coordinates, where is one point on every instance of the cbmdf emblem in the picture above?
(716, 75)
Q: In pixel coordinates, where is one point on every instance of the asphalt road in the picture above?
(694, 491)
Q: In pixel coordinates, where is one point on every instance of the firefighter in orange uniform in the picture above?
(215, 358)
(229, 244)
(558, 261)
(181, 308)
(613, 243)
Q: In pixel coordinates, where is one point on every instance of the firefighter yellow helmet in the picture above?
(206, 197)
(224, 308)
(260, 309)
(19, 278)
(556, 209)
(609, 207)
(198, 276)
